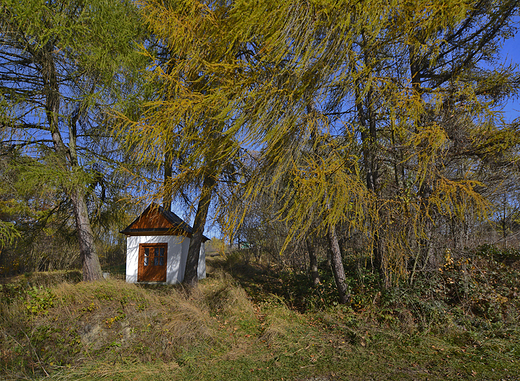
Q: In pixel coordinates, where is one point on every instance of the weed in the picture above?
(458, 323)
(39, 300)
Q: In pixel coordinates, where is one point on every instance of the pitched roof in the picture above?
(155, 220)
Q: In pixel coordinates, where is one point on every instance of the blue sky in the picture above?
(511, 54)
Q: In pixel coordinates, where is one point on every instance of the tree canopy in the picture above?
(372, 125)
(379, 118)
(62, 63)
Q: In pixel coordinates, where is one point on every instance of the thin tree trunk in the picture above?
(313, 263)
(168, 155)
(329, 257)
(192, 263)
(425, 241)
(337, 266)
(367, 119)
(167, 196)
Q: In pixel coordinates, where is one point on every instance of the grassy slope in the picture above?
(117, 331)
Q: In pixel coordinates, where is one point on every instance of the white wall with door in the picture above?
(177, 254)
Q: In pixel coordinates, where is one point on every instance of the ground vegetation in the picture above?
(247, 321)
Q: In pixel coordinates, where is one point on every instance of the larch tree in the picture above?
(399, 97)
(435, 88)
(396, 86)
(59, 62)
(185, 129)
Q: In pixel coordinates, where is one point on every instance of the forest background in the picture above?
(356, 162)
(312, 133)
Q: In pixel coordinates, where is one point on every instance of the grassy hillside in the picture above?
(245, 323)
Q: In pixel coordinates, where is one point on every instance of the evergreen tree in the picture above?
(59, 63)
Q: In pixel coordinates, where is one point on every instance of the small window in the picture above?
(156, 257)
(146, 256)
(161, 256)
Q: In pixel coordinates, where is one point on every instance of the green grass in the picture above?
(252, 325)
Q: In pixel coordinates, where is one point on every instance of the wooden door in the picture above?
(152, 262)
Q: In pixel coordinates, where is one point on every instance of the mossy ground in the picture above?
(252, 325)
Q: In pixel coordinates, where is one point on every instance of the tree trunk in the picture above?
(68, 155)
(192, 263)
(168, 154)
(369, 135)
(313, 263)
(167, 196)
(337, 266)
(329, 258)
(89, 257)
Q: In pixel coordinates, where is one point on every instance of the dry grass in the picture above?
(118, 321)
(44, 278)
(117, 331)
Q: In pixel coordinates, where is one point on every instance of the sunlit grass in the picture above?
(117, 331)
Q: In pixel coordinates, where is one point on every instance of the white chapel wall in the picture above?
(132, 255)
(201, 269)
(176, 260)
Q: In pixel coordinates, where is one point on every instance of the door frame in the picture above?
(161, 274)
